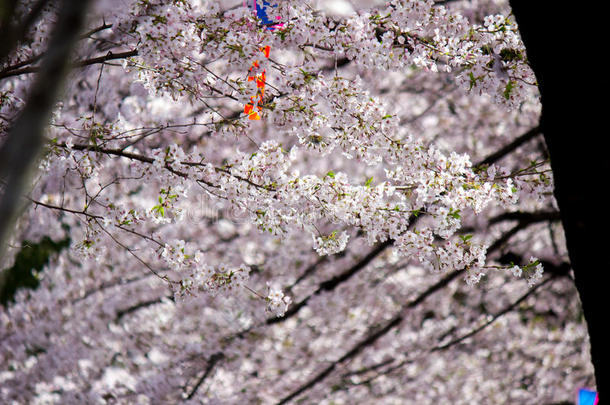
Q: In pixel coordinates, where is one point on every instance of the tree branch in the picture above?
(495, 317)
(381, 331)
(81, 63)
(215, 358)
(556, 272)
(122, 312)
(511, 147)
(333, 282)
(11, 34)
(528, 217)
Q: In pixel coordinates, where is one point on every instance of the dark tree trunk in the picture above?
(21, 147)
(567, 48)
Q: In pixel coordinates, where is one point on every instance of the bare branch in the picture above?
(81, 63)
(520, 140)
(395, 321)
(494, 318)
(215, 358)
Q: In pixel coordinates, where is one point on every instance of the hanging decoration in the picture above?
(254, 108)
(587, 397)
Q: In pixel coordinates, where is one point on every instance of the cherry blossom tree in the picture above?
(282, 202)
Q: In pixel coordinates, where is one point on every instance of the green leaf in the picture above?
(473, 81)
(465, 238)
(510, 54)
(454, 214)
(486, 50)
(508, 89)
(31, 259)
(330, 174)
(368, 182)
